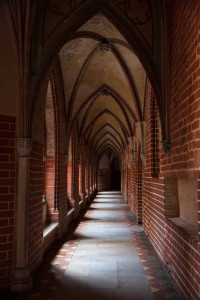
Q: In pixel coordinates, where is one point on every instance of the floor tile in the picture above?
(105, 255)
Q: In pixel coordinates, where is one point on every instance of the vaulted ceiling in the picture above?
(104, 85)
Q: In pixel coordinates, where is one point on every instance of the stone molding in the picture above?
(23, 147)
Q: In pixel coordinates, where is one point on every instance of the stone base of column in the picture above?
(22, 280)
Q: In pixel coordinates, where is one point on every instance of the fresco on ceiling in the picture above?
(72, 56)
(55, 12)
(139, 13)
(78, 50)
(102, 26)
(139, 17)
(64, 7)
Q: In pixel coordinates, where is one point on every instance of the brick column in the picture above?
(21, 278)
(90, 178)
(87, 183)
(83, 181)
(75, 185)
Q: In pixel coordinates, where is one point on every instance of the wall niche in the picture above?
(181, 204)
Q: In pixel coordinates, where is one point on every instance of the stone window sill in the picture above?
(70, 212)
(80, 202)
(188, 228)
(49, 228)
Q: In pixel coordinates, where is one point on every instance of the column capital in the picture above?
(23, 147)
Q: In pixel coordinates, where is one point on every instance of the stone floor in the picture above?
(106, 256)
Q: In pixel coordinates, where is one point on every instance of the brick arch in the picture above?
(43, 167)
(54, 165)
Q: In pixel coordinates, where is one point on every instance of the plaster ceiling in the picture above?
(104, 85)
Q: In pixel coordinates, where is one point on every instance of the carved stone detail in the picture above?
(104, 46)
(23, 147)
(105, 92)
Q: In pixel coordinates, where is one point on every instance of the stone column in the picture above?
(22, 280)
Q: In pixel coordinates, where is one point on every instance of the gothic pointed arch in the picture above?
(137, 24)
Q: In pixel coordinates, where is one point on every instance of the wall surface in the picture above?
(103, 179)
(178, 250)
(7, 197)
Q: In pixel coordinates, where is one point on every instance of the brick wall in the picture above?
(139, 189)
(132, 189)
(69, 182)
(50, 188)
(103, 179)
(184, 66)
(178, 251)
(7, 192)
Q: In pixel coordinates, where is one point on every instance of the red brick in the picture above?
(3, 255)
(6, 197)
(4, 142)
(6, 214)
(4, 206)
(3, 190)
(4, 158)
(7, 166)
(4, 126)
(6, 150)
(3, 238)
(4, 174)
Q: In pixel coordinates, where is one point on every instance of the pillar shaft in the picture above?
(21, 278)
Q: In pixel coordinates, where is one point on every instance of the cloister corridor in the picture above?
(99, 149)
(105, 256)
